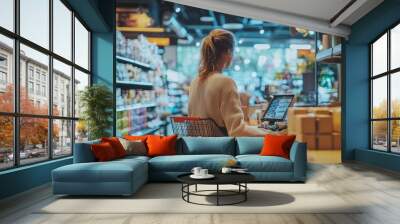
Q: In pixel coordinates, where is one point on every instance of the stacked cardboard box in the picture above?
(318, 127)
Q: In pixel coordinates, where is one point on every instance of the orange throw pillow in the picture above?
(161, 145)
(277, 145)
(116, 145)
(103, 152)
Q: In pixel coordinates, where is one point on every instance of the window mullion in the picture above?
(50, 81)
(389, 101)
(16, 84)
(73, 81)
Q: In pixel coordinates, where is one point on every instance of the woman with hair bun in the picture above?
(214, 95)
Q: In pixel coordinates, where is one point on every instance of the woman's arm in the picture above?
(232, 113)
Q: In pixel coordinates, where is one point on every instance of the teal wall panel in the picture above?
(356, 82)
(24, 178)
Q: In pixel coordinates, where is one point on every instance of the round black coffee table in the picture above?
(238, 179)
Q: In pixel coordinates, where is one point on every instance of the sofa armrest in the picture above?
(298, 155)
(83, 152)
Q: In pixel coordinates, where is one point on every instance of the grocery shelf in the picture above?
(137, 106)
(134, 62)
(134, 85)
(149, 130)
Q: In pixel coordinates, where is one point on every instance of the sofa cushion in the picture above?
(103, 152)
(161, 145)
(112, 171)
(277, 145)
(249, 145)
(207, 145)
(136, 147)
(116, 145)
(185, 163)
(257, 163)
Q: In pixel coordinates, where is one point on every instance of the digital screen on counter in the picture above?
(278, 108)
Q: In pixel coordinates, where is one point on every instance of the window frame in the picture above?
(16, 115)
(388, 74)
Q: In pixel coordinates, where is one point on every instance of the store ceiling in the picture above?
(199, 22)
(326, 16)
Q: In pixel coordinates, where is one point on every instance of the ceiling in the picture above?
(199, 22)
(326, 16)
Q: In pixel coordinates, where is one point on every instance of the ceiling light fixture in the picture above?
(233, 26)
(206, 19)
(262, 31)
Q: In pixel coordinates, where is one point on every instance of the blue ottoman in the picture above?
(118, 177)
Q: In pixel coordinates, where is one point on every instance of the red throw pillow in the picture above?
(116, 145)
(161, 145)
(277, 145)
(103, 152)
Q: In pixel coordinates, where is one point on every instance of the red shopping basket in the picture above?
(195, 126)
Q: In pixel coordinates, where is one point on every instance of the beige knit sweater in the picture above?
(217, 97)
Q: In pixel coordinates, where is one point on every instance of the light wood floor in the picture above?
(378, 189)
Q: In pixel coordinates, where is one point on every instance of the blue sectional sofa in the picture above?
(125, 176)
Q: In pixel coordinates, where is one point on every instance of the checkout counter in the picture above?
(319, 127)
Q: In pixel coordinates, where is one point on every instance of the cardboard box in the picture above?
(324, 141)
(324, 124)
(311, 140)
(291, 121)
(305, 124)
(322, 111)
(336, 117)
(337, 140)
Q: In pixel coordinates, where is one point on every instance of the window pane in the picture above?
(395, 138)
(379, 55)
(81, 45)
(62, 138)
(6, 142)
(395, 94)
(33, 139)
(62, 89)
(81, 82)
(81, 131)
(379, 135)
(34, 72)
(6, 74)
(62, 29)
(379, 97)
(35, 21)
(395, 47)
(7, 14)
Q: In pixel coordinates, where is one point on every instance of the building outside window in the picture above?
(3, 78)
(30, 87)
(385, 95)
(55, 128)
(38, 89)
(43, 90)
(30, 72)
